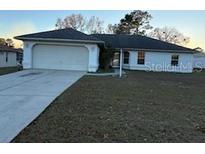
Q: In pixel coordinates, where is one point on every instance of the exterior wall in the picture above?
(199, 60)
(27, 56)
(159, 61)
(11, 59)
(93, 62)
(92, 48)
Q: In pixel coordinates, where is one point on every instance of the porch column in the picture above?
(120, 75)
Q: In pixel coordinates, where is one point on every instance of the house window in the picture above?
(126, 57)
(6, 56)
(140, 57)
(175, 60)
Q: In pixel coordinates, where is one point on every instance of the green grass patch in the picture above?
(7, 70)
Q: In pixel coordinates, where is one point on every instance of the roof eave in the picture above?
(58, 40)
(157, 50)
(5, 50)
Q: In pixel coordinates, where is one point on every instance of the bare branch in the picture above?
(169, 34)
(94, 25)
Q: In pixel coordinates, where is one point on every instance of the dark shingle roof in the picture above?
(139, 42)
(62, 34)
(4, 48)
(115, 40)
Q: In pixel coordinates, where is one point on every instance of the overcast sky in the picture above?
(190, 23)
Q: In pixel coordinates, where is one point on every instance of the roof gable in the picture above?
(61, 34)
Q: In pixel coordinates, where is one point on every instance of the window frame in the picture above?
(126, 57)
(140, 58)
(175, 60)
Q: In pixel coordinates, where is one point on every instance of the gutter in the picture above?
(57, 40)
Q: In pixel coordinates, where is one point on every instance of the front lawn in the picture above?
(141, 107)
(7, 70)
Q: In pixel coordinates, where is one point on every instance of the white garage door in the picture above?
(60, 57)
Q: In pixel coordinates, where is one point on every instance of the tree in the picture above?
(94, 25)
(136, 22)
(111, 29)
(2, 41)
(75, 21)
(9, 42)
(105, 58)
(59, 24)
(79, 22)
(169, 34)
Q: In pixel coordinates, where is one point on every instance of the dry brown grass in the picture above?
(141, 107)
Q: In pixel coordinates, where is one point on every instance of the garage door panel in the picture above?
(60, 57)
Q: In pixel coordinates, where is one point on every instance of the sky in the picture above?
(190, 23)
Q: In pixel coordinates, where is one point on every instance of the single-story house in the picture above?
(199, 60)
(8, 56)
(68, 49)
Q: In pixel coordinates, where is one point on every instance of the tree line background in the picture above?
(134, 23)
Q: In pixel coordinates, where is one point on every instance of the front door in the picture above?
(116, 60)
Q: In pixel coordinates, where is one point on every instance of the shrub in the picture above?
(105, 58)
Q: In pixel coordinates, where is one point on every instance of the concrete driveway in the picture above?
(24, 95)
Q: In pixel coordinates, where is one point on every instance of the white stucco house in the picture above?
(8, 56)
(68, 49)
(199, 60)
